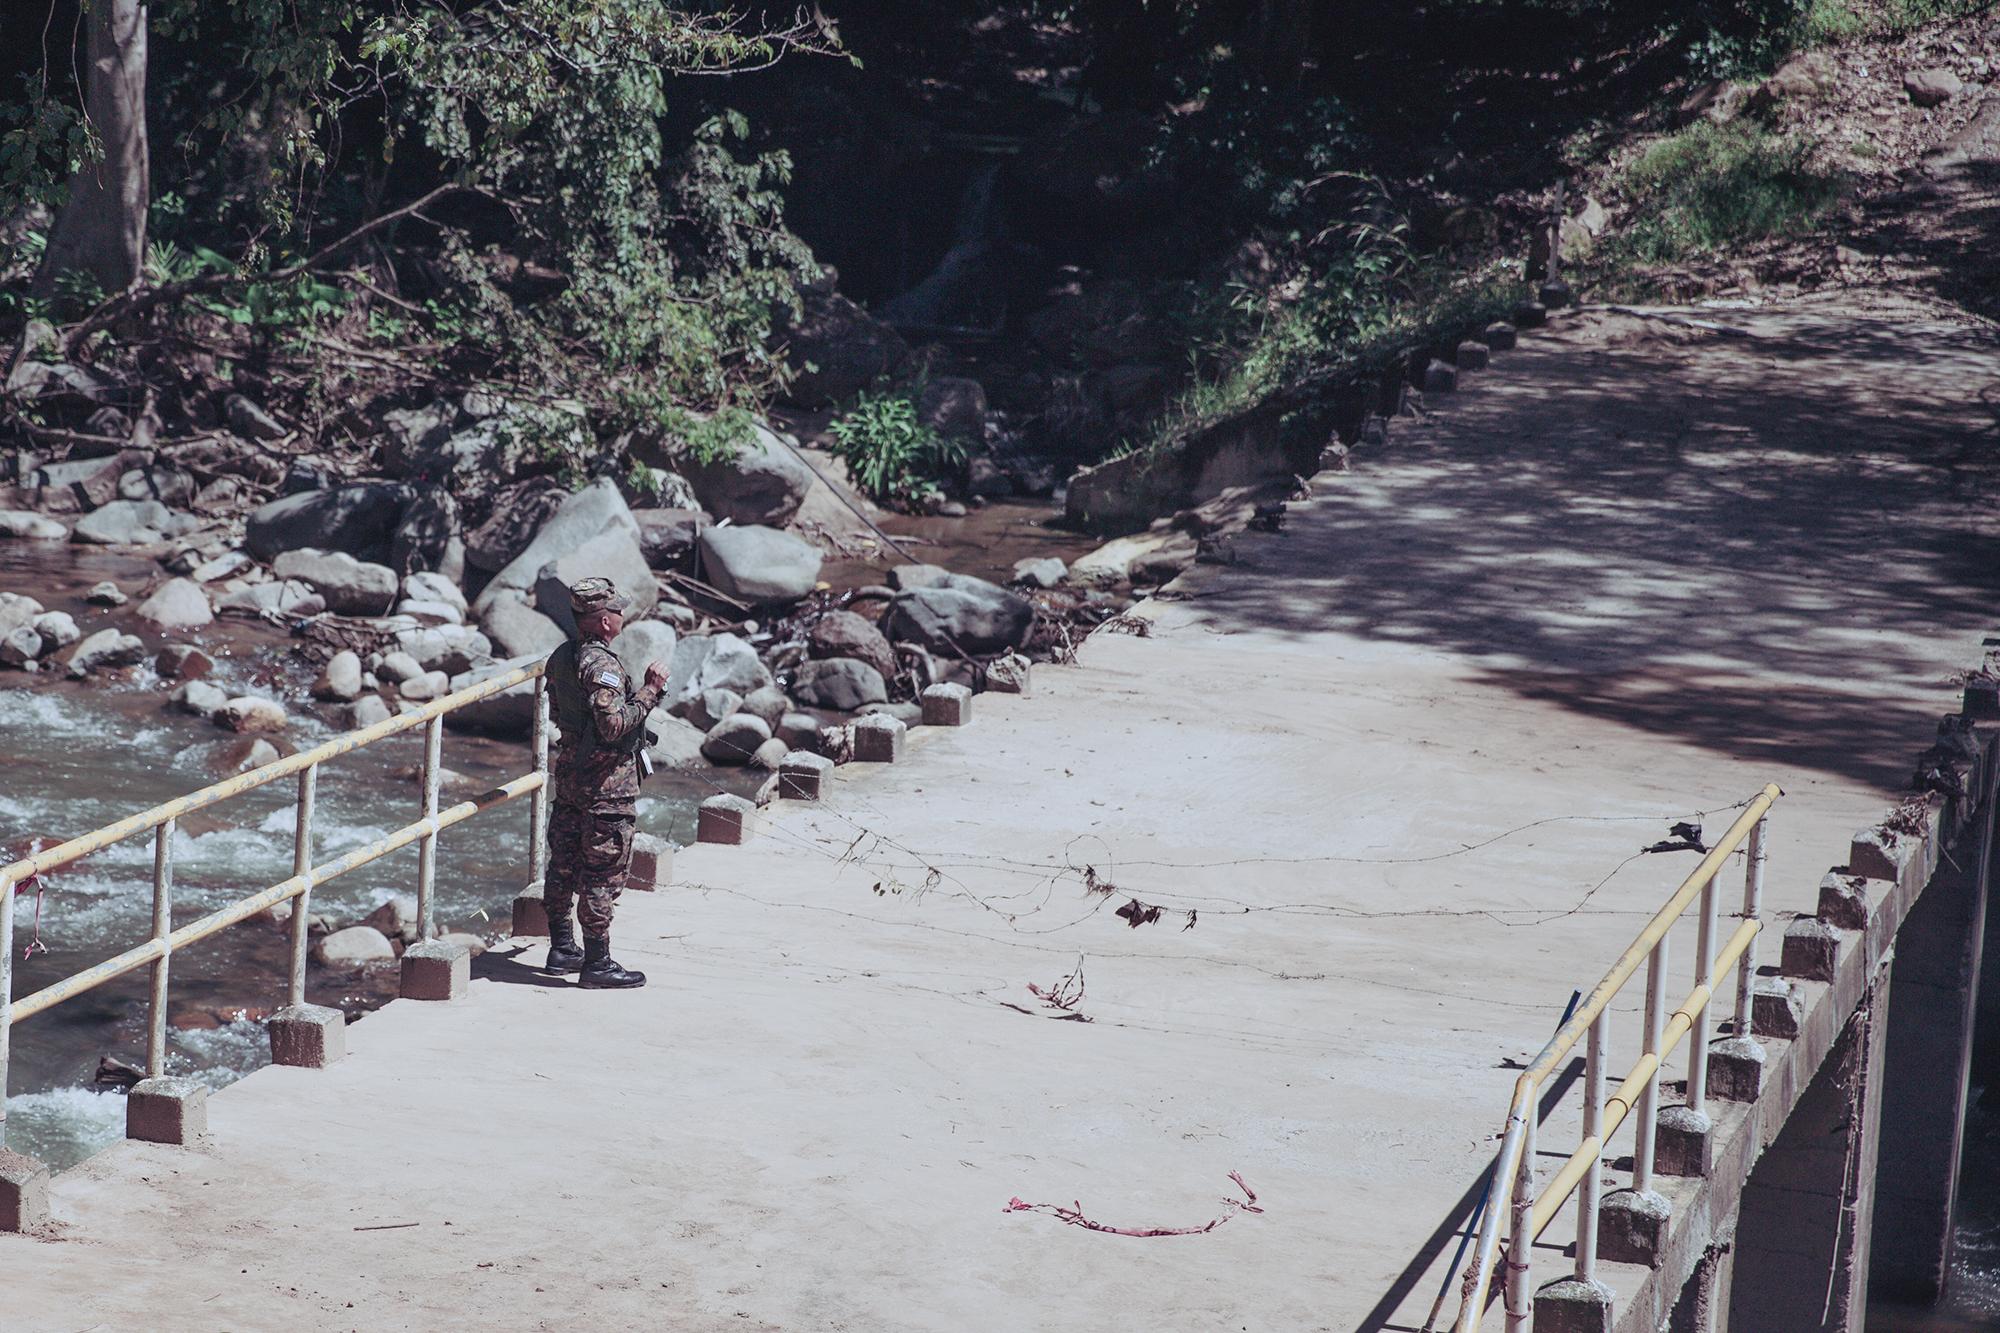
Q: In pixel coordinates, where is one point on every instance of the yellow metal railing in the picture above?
(1529, 1210)
(161, 821)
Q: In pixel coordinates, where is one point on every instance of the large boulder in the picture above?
(758, 565)
(1931, 87)
(517, 514)
(17, 609)
(178, 604)
(57, 628)
(429, 536)
(643, 642)
(954, 407)
(21, 525)
(735, 739)
(285, 597)
(424, 586)
(447, 648)
(836, 349)
(593, 517)
(838, 682)
(249, 712)
(354, 947)
(714, 662)
(20, 646)
(409, 431)
(228, 757)
(340, 682)
(961, 613)
(845, 634)
(677, 743)
(509, 714)
(764, 483)
(613, 554)
(358, 519)
(768, 703)
(665, 535)
(132, 523)
(105, 649)
(517, 629)
(351, 587)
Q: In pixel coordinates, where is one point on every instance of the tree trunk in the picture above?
(101, 230)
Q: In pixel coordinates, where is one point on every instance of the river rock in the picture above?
(1008, 675)
(428, 586)
(183, 661)
(1143, 557)
(430, 535)
(284, 597)
(734, 740)
(227, 565)
(839, 682)
(1040, 572)
(846, 634)
(358, 520)
(641, 643)
(509, 714)
(715, 661)
(595, 516)
(963, 614)
(763, 484)
(769, 703)
(356, 946)
(341, 681)
(178, 604)
(955, 407)
(351, 587)
(105, 649)
(905, 578)
(409, 430)
(366, 711)
(20, 646)
(131, 523)
(106, 593)
(447, 648)
(397, 918)
(613, 555)
(1931, 87)
(759, 565)
(429, 685)
(836, 348)
(57, 628)
(17, 609)
(800, 731)
(398, 667)
(248, 712)
(249, 419)
(198, 697)
(169, 485)
(519, 630)
(677, 742)
(768, 757)
(667, 535)
(20, 525)
(227, 758)
(518, 513)
(430, 613)
(709, 707)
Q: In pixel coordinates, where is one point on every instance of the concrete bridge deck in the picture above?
(1397, 762)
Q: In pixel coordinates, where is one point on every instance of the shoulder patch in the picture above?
(606, 678)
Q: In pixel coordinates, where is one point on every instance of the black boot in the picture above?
(601, 972)
(564, 955)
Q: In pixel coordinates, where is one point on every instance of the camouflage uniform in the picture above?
(596, 783)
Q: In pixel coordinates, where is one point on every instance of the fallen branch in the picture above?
(1073, 1215)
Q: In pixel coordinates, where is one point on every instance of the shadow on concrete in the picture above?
(1764, 544)
(519, 966)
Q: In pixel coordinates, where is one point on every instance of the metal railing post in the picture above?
(1649, 1095)
(1590, 1190)
(1520, 1293)
(538, 804)
(1753, 910)
(427, 847)
(1704, 975)
(302, 860)
(7, 888)
(163, 926)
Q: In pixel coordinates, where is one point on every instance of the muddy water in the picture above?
(985, 543)
(79, 756)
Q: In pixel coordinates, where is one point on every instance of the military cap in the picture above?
(593, 594)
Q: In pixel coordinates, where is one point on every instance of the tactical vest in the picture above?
(569, 702)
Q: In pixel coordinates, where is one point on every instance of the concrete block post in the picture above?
(435, 970)
(1776, 1009)
(652, 864)
(531, 915)
(1472, 356)
(947, 705)
(1844, 901)
(727, 820)
(1982, 699)
(167, 1110)
(1812, 950)
(1530, 315)
(802, 776)
(1500, 336)
(1633, 1226)
(1440, 377)
(1684, 1142)
(1933, 1014)
(24, 1193)
(1736, 1070)
(1570, 1306)
(878, 739)
(307, 1036)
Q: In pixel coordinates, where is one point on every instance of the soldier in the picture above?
(596, 773)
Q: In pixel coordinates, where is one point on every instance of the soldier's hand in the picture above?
(656, 675)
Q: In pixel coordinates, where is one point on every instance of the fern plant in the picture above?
(891, 454)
